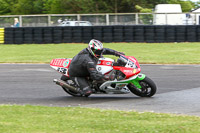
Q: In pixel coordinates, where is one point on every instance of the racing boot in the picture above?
(87, 91)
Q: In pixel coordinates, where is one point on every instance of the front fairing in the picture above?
(131, 67)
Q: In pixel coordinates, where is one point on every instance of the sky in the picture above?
(195, 0)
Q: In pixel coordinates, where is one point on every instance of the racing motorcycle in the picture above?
(124, 77)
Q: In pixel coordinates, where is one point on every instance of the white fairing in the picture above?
(106, 59)
(104, 68)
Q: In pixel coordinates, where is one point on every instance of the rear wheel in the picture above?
(148, 88)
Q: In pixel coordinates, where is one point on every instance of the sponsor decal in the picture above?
(99, 68)
(134, 71)
(66, 63)
(128, 71)
(108, 63)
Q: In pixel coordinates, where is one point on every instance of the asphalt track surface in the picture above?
(178, 89)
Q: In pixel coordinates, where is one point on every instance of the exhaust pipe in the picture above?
(65, 85)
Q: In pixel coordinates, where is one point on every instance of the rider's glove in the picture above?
(119, 53)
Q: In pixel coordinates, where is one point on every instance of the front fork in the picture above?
(137, 79)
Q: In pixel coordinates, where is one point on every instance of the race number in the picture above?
(62, 70)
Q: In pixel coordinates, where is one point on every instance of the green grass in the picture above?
(38, 119)
(156, 53)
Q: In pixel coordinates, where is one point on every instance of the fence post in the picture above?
(166, 19)
(78, 17)
(107, 19)
(49, 20)
(20, 21)
(136, 18)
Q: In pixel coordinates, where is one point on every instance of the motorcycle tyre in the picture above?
(148, 83)
(64, 78)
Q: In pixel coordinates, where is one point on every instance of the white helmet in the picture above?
(95, 47)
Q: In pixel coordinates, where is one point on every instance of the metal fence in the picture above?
(103, 19)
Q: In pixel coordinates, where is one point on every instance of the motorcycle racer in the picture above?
(83, 65)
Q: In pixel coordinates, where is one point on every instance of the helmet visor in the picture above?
(97, 52)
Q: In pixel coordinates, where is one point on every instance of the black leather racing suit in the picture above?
(83, 65)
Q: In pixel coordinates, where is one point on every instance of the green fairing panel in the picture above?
(136, 80)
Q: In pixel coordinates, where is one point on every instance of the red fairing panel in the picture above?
(129, 72)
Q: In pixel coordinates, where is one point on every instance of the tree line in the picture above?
(23, 7)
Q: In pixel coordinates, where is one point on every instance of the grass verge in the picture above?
(32, 119)
(155, 53)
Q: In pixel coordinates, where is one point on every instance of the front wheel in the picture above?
(148, 88)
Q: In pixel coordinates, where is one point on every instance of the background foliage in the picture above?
(20, 7)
